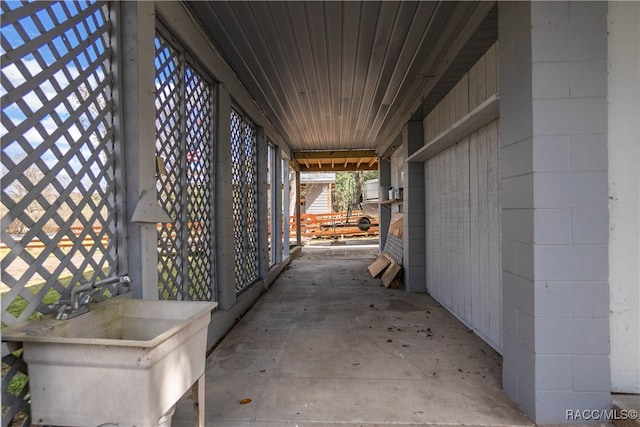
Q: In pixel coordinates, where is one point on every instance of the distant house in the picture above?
(316, 188)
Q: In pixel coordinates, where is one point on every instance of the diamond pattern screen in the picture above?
(244, 161)
(184, 149)
(59, 186)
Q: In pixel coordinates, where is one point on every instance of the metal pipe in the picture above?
(75, 292)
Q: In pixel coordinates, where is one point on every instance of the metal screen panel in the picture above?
(244, 170)
(58, 208)
(184, 144)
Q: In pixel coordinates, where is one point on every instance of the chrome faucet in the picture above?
(81, 296)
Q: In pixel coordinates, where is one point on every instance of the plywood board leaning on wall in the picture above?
(390, 261)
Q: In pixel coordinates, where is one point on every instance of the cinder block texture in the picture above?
(552, 300)
(589, 152)
(566, 116)
(591, 373)
(571, 262)
(590, 299)
(554, 372)
(517, 225)
(570, 42)
(552, 227)
(516, 159)
(572, 336)
(414, 211)
(552, 153)
(517, 192)
(554, 125)
(556, 407)
(571, 190)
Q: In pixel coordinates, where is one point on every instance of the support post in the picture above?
(384, 183)
(553, 137)
(262, 171)
(414, 211)
(285, 209)
(276, 206)
(137, 77)
(298, 200)
(225, 256)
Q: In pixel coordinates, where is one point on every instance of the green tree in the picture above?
(349, 188)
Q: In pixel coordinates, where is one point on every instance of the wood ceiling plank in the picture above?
(339, 74)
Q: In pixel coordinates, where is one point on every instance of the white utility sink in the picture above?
(126, 361)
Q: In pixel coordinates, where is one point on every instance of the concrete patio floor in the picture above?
(327, 345)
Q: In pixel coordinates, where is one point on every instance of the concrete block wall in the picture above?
(384, 182)
(475, 87)
(554, 196)
(414, 272)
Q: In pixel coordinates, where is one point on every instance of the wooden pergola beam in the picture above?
(338, 168)
(335, 160)
(336, 154)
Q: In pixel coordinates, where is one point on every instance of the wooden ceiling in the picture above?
(345, 75)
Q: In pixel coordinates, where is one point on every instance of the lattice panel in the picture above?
(15, 391)
(251, 202)
(169, 183)
(184, 138)
(237, 181)
(270, 201)
(58, 166)
(245, 200)
(199, 125)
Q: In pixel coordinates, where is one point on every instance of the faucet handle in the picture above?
(63, 307)
(124, 285)
(86, 297)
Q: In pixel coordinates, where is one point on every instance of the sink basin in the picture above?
(126, 361)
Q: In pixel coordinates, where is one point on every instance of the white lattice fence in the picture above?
(244, 161)
(58, 209)
(184, 142)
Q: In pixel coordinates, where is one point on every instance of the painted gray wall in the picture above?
(462, 185)
(384, 182)
(413, 207)
(553, 128)
(463, 232)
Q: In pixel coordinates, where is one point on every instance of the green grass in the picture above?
(17, 307)
(19, 304)
(19, 380)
